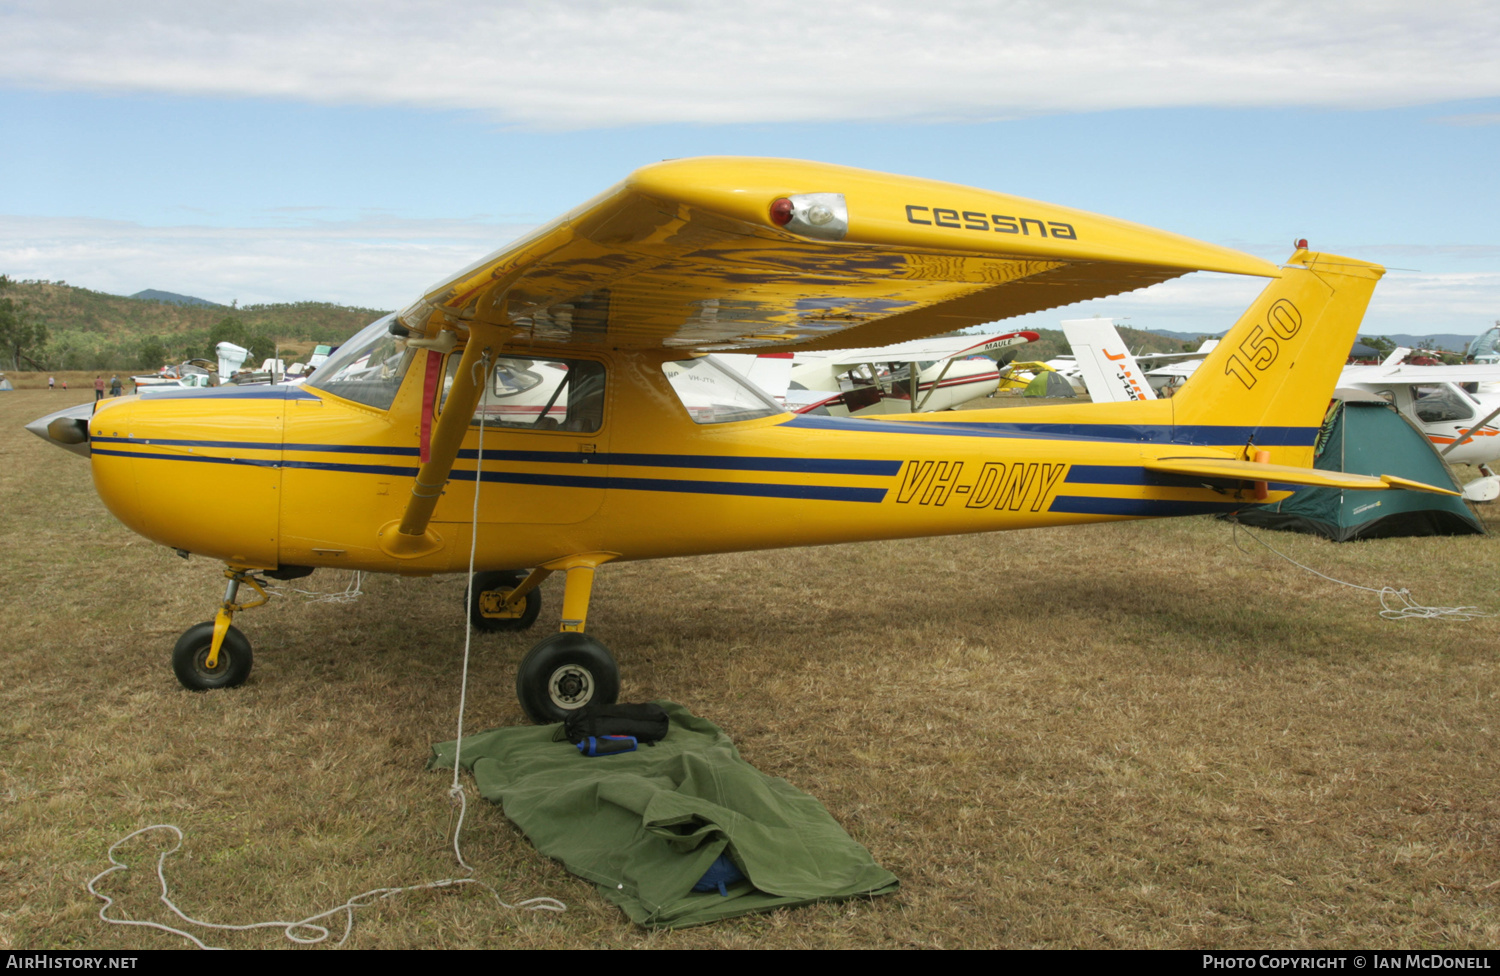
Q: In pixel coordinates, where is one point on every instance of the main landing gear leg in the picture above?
(215, 654)
(568, 671)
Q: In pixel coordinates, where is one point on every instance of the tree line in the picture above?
(93, 351)
(76, 341)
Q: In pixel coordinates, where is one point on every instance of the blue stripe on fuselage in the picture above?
(1141, 507)
(1135, 433)
(834, 493)
(702, 461)
(829, 493)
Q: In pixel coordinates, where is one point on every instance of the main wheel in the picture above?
(190, 658)
(489, 612)
(564, 673)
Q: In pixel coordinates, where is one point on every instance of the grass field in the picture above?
(1131, 735)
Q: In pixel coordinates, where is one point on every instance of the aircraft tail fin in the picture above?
(1267, 384)
(772, 372)
(1109, 370)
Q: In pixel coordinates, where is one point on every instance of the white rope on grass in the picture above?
(314, 932)
(305, 931)
(349, 594)
(1396, 604)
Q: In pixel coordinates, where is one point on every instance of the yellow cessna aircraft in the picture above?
(567, 380)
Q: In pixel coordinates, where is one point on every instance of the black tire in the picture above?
(490, 590)
(564, 673)
(191, 652)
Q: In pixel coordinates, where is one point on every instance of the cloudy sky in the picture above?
(357, 150)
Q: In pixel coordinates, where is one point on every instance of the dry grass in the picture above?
(1119, 736)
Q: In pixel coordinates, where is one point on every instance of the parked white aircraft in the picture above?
(231, 358)
(1100, 356)
(866, 382)
(1462, 426)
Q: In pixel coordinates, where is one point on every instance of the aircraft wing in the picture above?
(1151, 358)
(724, 254)
(928, 350)
(1209, 467)
(1422, 375)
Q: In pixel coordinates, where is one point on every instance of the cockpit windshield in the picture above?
(715, 394)
(1445, 404)
(368, 368)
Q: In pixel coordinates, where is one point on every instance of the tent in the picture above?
(5, 386)
(1049, 384)
(1364, 434)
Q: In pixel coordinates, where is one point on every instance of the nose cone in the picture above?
(67, 428)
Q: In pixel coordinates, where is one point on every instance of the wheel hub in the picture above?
(570, 686)
(494, 603)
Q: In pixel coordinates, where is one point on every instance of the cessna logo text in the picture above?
(999, 223)
(997, 485)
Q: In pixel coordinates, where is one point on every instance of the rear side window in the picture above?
(713, 394)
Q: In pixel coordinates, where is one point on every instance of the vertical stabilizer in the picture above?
(1269, 381)
(1109, 370)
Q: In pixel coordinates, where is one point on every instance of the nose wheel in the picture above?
(190, 658)
(214, 654)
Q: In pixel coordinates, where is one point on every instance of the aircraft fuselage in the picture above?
(274, 476)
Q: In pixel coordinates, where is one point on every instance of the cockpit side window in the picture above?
(368, 368)
(539, 394)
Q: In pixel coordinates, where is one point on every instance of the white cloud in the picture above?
(589, 63)
(376, 263)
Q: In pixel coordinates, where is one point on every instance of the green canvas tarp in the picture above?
(1363, 434)
(645, 826)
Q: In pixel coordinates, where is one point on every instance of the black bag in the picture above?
(646, 722)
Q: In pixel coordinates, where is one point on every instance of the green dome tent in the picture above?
(1048, 384)
(1363, 434)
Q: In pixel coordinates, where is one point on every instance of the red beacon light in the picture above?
(821, 216)
(1301, 244)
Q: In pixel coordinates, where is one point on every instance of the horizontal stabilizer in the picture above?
(1285, 474)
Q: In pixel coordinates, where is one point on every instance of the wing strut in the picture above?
(410, 537)
(1469, 434)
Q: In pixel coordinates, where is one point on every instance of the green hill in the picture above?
(92, 330)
